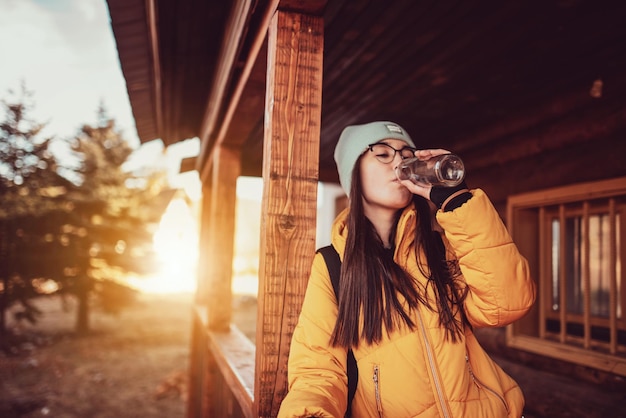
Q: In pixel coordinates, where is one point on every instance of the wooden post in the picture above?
(613, 287)
(197, 357)
(218, 291)
(562, 275)
(290, 174)
(198, 353)
(213, 295)
(586, 277)
(203, 273)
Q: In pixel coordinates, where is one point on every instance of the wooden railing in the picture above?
(224, 384)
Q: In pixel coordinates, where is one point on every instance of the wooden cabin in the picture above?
(531, 94)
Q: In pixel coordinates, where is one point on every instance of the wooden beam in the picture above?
(289, 208)
(248, 114)
(152, 22)
(233, 36)
(187, 164)
(130, 24)
(572, 193)
(309, 7)
(232, 40)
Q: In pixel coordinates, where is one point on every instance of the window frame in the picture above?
(529, 220)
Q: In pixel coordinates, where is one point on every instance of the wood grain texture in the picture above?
(290, 174)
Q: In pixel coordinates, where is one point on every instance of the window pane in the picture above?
(573, 257)
(599, 265)
(600, 269)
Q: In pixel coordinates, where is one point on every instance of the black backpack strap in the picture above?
(333, 264)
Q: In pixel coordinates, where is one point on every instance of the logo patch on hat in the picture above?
(394, 129)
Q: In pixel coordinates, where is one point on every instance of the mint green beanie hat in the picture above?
(354, 140)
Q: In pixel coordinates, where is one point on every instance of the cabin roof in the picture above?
(462, 75)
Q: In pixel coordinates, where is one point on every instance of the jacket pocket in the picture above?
(481, 386)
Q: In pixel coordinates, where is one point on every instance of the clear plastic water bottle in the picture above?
(443, 170)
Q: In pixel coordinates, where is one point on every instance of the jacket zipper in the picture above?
(433, 369)
(480, 384)
(379, 404)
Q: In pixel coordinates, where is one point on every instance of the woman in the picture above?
(421, 267)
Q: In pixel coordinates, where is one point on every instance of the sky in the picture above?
(64, 52)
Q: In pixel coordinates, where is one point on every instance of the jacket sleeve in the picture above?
(501, 289)
(316, 370)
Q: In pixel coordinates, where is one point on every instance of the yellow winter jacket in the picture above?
(417, 373)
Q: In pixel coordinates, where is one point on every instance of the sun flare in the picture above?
(176, 245)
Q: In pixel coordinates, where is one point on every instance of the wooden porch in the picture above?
(527, 93)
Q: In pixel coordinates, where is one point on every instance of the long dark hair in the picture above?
(371, 281)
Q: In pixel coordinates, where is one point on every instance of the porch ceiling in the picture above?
(463, 75)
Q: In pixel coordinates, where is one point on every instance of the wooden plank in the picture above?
(290, 175)
(572, 193)
(553, 169)
(605, 362)
(574, 129)
(234, 356)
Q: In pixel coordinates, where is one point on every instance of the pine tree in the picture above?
(32, 194)
(81, 226)
(118, 216)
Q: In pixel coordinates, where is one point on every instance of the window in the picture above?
(573, 238)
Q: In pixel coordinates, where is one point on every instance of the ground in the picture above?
(133, 364)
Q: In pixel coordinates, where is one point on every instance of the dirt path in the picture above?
(132, 365)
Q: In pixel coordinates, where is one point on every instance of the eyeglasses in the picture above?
(385, 153)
